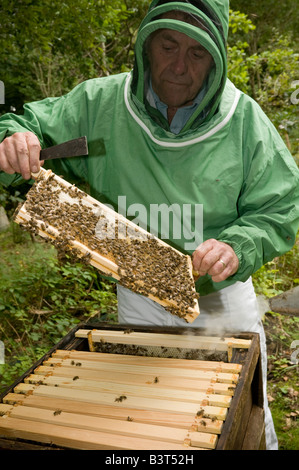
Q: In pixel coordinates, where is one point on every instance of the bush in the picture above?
(41, 299)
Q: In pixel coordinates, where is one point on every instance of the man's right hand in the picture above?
(20, 154)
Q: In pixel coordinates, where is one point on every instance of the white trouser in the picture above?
(233, 309)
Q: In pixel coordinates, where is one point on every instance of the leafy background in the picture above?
(48, 47)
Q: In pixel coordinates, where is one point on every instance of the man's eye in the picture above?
(198, 54)
(168, 48)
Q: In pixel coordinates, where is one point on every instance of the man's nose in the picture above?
(179, 64)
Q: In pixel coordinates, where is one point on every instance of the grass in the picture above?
(41, 299)
(282, 336)
(283, 382)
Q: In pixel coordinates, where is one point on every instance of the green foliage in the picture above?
(266, 70)
(48, 47)
(279, 275)
(272, 279)
(270, 15)
(282, 332)
(41, 299)
(9, 198)
(240, 22)
(266, 280)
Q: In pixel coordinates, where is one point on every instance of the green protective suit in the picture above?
(232, 162)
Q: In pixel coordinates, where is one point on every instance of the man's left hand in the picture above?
(216, 259)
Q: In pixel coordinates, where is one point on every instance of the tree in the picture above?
(268, 70)
(268, 16)
(50, 46)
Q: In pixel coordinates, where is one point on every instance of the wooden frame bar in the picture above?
(140, 403)
(182, 341)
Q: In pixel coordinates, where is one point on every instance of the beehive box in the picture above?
(121, 388)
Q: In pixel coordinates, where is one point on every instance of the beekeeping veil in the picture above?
(205, 21)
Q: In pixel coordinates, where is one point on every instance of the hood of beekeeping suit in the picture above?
(208, 25)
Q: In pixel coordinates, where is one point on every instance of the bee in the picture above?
(129, 418)
(200, 413)
(78, 364)
(76, 377)
(203, 423)
(128, 331)
(121, 398)
(57, 412)
(156, 380)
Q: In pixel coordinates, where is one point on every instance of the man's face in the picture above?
(179, 66)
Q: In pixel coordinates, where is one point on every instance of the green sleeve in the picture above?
(268, 209)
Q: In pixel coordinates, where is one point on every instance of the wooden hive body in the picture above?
(110, 387)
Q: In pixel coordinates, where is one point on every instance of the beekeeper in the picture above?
(176, 132)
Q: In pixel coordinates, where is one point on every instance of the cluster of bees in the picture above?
(161, 351)
(155, 269)
(144, 264)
